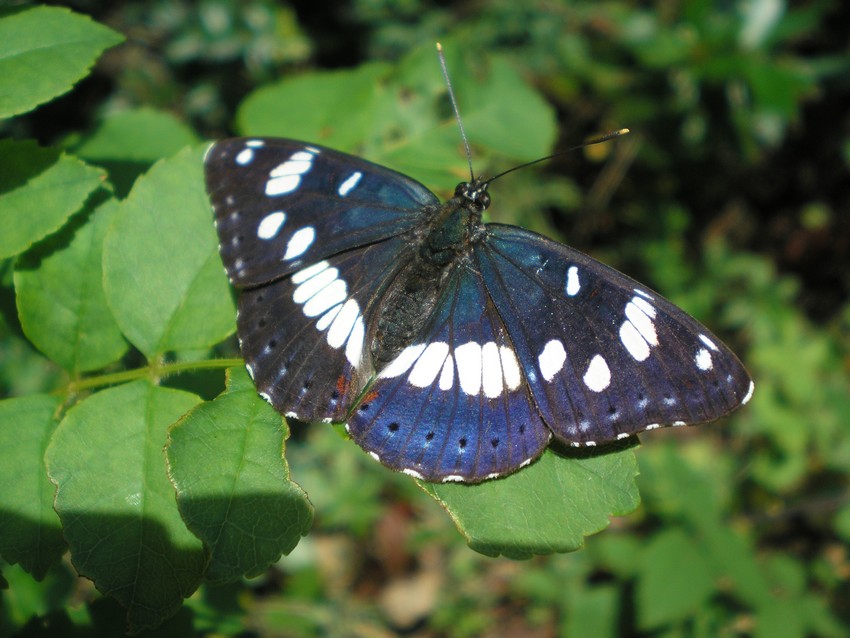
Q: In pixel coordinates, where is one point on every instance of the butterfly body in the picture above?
(454, 350)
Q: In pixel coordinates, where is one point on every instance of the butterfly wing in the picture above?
(281, 205)
(310, 234)
(604, 357)
(453, 406)
(305, 337)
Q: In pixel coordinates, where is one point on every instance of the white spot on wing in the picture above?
(286, 177)
(643, 293)
(453, 478)
(447, 376)
(749, 394)
(354, 345)
(708, 342)
(552, 359)
(573, 285)
(250, 370)
(326, 319)
(311, 271)
(255, 143)
(468, 359)
(326, 298)
(645, 306)
(491, 369)
(350, 183)
(412, 473)
(633, 341)
(402, 362)
(343, 324)
(641, 320)
(428, 365)
(270, 225)
(598, 375)
(703, 360)
(510, 368)
(311, 286)
(245, 156)
(300, 242)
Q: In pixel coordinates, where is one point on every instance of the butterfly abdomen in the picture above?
(411, 297)
(405, 308)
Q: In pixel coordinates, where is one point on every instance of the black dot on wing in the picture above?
(462, 442)
(363, 407)
(261, 323)
(494, 443)
(306, 386)
(393, 427)
(258, 299)
(522, 429)
(272, 344)
(429, 436)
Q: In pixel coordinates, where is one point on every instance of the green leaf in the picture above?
(547, 507)
(60, 297)
(314, 108)
(128, 142)
(142, 135)
(233, 488)
(162, 273)
(39, 189)
(44, 51)
(675, 582)
(29, 528)
(116, 502)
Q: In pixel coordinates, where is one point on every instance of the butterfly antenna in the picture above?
(456, 110)
(594, 140)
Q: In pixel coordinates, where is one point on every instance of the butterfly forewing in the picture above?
(280, 205)
(604, 356)
(453, 406)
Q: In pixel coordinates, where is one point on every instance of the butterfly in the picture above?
(453, 350)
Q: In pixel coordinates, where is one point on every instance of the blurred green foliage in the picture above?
(729, 197)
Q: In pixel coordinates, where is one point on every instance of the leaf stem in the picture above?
(155, 371)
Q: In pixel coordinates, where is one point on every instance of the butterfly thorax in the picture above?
(435, 251)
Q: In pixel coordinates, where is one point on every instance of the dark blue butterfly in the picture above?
(454, 350)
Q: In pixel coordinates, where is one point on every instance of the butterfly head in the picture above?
(474, 194)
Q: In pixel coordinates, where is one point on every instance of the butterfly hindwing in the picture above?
(304, 337)
(281, 204)
(453, 406)
(604, 356)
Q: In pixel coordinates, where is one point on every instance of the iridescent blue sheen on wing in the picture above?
(454, 405)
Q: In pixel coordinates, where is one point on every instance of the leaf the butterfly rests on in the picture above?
(453, 350)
